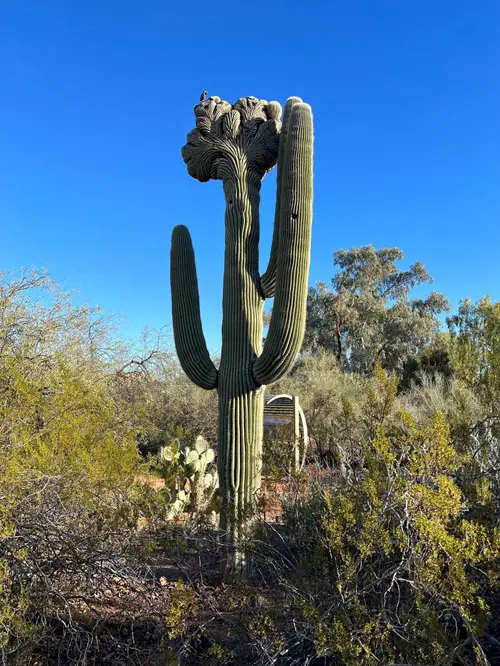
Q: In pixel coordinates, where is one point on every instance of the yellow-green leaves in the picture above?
(395, 546)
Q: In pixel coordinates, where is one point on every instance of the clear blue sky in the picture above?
(97, 98)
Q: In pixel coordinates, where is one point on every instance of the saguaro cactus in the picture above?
(238, 144)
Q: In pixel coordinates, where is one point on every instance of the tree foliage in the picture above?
(475, 347)
(367, 317)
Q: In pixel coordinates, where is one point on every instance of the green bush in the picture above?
(393, 563)
(333, 403)
(68, 458)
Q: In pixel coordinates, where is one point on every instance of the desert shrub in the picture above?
(436, 393)
(474, 348)
(432, 361)
(333, 403)
(474, 431)
(169, 404)
(69, 506)
(278, 456)
(69, 503)
(395, 562)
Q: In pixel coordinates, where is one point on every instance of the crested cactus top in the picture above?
(228, 137)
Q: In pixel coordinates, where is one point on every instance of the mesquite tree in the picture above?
(238, 144)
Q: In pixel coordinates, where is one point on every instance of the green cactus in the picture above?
(197, 476)
(203, 476)
(238, 144)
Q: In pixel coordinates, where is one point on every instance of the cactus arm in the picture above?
(188, 333)
(268, 279)
(286, 329)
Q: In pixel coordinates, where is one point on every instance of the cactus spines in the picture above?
(238, 144)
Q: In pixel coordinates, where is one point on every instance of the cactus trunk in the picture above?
(241, 402)
(240, 450)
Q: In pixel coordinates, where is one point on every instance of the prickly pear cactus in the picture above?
(204, 479)
(198, 477)
(238, 144)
